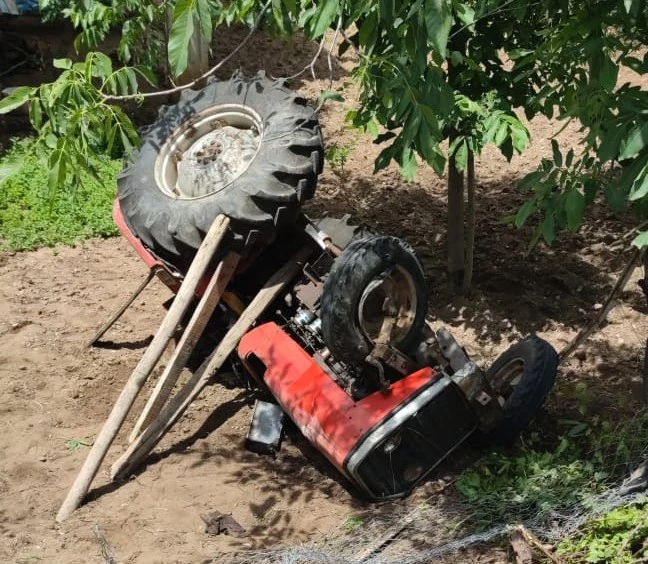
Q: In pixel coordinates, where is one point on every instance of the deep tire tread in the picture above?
(526, 400)
(263, 199)
(360, 263)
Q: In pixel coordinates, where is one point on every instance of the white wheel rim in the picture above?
(198, 140)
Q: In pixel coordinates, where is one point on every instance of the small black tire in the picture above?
(264, 197)
(523, 399)
(362, 262)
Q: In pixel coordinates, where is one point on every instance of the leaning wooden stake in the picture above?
(119, 312)
(185, 347)
(607, 307)
(143, 369)
(173, 410)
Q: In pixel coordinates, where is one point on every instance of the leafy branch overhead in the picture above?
(428, 71)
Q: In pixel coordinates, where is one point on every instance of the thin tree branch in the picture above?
(607, 307)
(330, 51)
(330, 62)
(310, 66)
(211, 71)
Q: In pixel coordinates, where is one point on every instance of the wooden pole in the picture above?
(137, 379)
(119, 312)
(190, 336)
(173, 410)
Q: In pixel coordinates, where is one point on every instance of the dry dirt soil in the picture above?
(57, 392)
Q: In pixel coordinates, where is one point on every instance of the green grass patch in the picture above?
(620, 536)
(543, 477)
(31, 217)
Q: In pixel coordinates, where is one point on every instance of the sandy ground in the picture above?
(57, 392)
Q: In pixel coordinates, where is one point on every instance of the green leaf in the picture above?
(35, 113)
(608, 74)
(8, 168)
(641, 240)
(76, 444)
(574, 208)
(465, 14)
(372, 128)
(324, 17)
(461, 156)
(330, 95)
(502, 133)
(57, 168)
(569, 160)
(386, 10)
(408, 165)
(523, 213)
(531, 179)
(16, 98)
(368, 32)
(204, 17)
(429, 148)
(634, 64)
(65, 64)
(635, 141)
(100, 64)
(639, 187)
(549, 229)
(181, 31)
(148, 74)
(557, 155)
(615, 196)
(438, 21)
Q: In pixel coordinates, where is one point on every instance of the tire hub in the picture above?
(207, 153)
(507, 378)
(392, 295)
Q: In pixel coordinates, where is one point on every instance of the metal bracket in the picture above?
(455, 354)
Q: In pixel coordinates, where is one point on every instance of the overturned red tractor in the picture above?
(345, 348)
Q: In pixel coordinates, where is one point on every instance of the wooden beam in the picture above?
(188, 341)
(173, 410)
(143, 369)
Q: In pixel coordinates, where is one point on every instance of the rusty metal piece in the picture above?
(455, 354)
(472, 382)
(310, 291)
(384, 384)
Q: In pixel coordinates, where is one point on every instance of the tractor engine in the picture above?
(300, 308)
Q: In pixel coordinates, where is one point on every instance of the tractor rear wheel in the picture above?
(248, 148)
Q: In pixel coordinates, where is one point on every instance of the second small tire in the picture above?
(367, 271)
(522, 377)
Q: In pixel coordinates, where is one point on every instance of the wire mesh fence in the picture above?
(551, 493)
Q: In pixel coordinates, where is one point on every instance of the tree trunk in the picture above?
(455, 224)
(470, 225)
(643, 284)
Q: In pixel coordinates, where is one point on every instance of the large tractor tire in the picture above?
(248, 148)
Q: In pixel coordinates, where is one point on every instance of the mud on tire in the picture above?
(263, 198)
